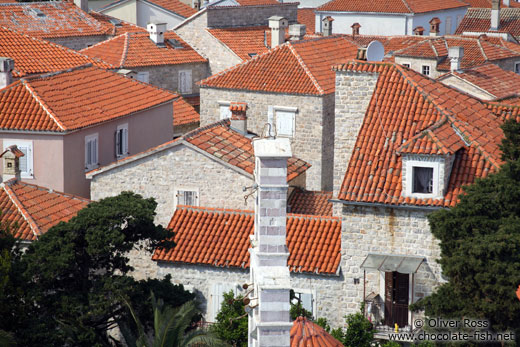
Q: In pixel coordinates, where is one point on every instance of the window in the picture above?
(187, 197)
(459, 19)
(422, 180)
(121, 140)
(143, 76)
(26, 162)
(517, 67)
(306, 299)
(91, 151)
(185, 82)
(283, 119)
(426, 70)
(448, 26)
(225, 112)
(217, 297)
(406, 65)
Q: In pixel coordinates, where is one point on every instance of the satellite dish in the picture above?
(375, 51)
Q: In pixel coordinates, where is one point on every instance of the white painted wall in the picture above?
(125, 11)
(424, 19)
(147, 13)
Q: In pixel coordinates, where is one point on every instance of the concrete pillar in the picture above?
(455, 55)
(6, 71)
(495, 15)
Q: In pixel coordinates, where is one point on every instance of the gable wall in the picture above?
(236, 16)
(147, 13)
(466, 87)
(78, 42)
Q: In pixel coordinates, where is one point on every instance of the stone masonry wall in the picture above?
(310, 126)
(235, 16)
(387, 231)
(353, 94)
(161, 174)
(78, 42)
(167, 76)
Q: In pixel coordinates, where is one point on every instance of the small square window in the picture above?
(517, 68)
(422, 180)
(187, 197)
(426, 70)
(406, 65)
(121, 140)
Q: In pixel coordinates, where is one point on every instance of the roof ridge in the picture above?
(224, 122)
(45, 107)
(52, 191)
(481, 48)
(306, 69)
(101, 43)
(25, 214)
(126, 44)
(407, 6)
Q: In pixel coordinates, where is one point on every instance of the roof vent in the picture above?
(38, 12)
(251, 55)
(115, 21)
(175, 43)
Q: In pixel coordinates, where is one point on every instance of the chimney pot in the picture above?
(455, 54)
(239, 117)
(156, 31)
(418, 31)
(495, 15)
(277, 25)
(297, 31)
(6, 71)
(11, 157)
(434, 26)
(355, 29)
(327, 25)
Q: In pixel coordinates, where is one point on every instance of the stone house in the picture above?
(160, 58)
(406, 145)
(291, 87)
(209, 166)
(72, 121)
(380, 17)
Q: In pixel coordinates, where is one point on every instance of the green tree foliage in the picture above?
(297, 309)
(231, 321)
(359, 332)
(480, 246)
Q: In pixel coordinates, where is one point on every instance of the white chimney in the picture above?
(455, 54)
(495, 15)
(6, 71)
(297, 31)
(278, 25)
(326, 26)
(156, 31)
(11, 158)
(269, 318)
(239, 117)
(83, 4)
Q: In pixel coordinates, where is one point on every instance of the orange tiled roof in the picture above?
(299, 67)
(136, 49)
(305, 333)
(218, 237)
(175, 6)
(487, 3)
(73, 99)
(310, 202)
(492, 79)
(58, 19)
(505, 109)
(244, 41)
(116, 30)
(479, 20)
(184, 113)
(307, 16)
(30, 210)
(35, 56)
(390, 6)
(409, 106)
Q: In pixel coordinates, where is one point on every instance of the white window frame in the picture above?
(406, 64)
(216, 296)
(124, 151)
(429, 70)
(517, 67)
(410, 164)
(143, 76)
(189, 85)
(29, 173)
(89, 138)
(272, 119)
(222, 104)
(312, 292)
(187, 189)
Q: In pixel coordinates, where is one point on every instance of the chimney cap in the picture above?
(238, 106)
(14, 150)
(276, 22)
(328, 19)
(355, 25)
(279, 147)
(418, 31)
(435, 20)
(6, 64)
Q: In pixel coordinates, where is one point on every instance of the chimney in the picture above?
(269, 318)
(297, 31)
(83, 4)
(434, 26)
(361, 53)
(495, 15)
(127, 73)
(196, 4)
(156, 31)
(6, 71)
(355, 29)
(277, 25)
(326, 27)
(11, 163)
(238, 117)
(418, 31)
(455, 55)
(506, 3)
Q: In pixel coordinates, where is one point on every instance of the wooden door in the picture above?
(396, 298)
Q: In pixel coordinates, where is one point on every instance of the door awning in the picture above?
(389, 263)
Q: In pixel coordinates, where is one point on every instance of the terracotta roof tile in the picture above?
(136, 49)
(390, 6)
(73, 99)
(257, 2)
(184, 113)
(310, 202)
(58, 19)
(505, 109)
(308, 17)
(30, 210)
(299, 67)
(404, 105)
(479, 20)
(35, 56)
(305, 333)
(245, 42)
(487, 3)
(218, 237)
(175, 6)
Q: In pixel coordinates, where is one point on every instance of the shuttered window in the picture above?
(217, 297)
(143, 76)
(187, 197)
(121, 140)
(91, 151)
(282, 120)
(185, 82)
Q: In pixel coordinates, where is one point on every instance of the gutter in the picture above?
(401, 207)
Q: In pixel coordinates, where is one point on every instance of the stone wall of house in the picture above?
(159, 176)
(195, 34)
(307, 144)
(179, 130)
(78, 42)
(416, 64)
(327, 169)
(466, 87)
(236, 16)
(385, 230)
(353, 93)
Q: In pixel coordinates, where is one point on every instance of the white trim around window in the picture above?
(406, 64)
(305, 295)
(410, 164)
(91, 151)
(517, 67)
(121, 141)
(284, 120)
(186, 196)
(185, 82)
(224, 110)
(26, 162)
(426, 70)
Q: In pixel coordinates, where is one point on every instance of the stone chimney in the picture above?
(269, 319)
(434, 26)
(6, 71)
(355, 29)
(455, 55)
(495, 15)
(11, 163)
(277, 25)
(326, 27)
(297, 31)
(418, 31)
(239, 117)
(83, 4)
(156, 31)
